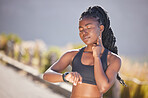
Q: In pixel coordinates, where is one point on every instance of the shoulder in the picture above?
(114, 60)
(70, 54)
(114, 57)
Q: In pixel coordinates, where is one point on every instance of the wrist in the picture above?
(63, 76)
(96, 56)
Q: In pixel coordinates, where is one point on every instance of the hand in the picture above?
(74, 77)
(97, 48)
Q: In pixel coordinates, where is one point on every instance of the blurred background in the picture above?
(38, 32)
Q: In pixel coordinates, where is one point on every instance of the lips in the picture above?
(86, 38)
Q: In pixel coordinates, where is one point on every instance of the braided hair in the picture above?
(108, 38)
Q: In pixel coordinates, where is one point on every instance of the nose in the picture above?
(85, 31)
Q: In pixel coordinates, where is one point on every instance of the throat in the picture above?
(88, 52)
(91, 52)
(88, 49)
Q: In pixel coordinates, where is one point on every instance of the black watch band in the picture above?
(63, 76)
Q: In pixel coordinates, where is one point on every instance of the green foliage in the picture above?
(14, 37)
(125, 93)
(3, 41)
(134, 90)
(49, 57)
(25, 56)
(4, 38)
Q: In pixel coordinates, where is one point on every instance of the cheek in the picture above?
(94, 38)
(95, 34)
(80, 35)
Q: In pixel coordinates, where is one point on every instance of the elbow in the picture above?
(44, 76)
(104, 88)
(47, 77)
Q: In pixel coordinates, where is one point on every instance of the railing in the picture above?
(135, 80)
(62, 88)
(115, 92)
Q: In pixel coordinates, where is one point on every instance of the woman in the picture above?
(95, 66)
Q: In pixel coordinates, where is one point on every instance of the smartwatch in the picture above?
(63, 76)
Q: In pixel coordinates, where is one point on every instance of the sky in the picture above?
(56, 21)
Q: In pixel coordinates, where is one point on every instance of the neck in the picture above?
(89, 48)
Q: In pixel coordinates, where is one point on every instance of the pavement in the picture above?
(61, 88)
(13, 84)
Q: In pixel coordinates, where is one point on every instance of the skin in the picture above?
(90, 33)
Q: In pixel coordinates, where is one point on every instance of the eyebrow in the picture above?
(86, 25)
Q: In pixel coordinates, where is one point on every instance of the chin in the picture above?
(89, 43)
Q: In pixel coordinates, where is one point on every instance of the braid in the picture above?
(108, 38)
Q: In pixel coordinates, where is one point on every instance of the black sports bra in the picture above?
(86, 71)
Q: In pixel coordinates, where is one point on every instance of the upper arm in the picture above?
(113, 69)
(62, 63)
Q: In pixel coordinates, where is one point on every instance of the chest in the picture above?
(87, 59)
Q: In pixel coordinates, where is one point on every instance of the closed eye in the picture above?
(81, 29)
(88, 27)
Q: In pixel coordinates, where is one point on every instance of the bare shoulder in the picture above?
(114, 57)
(64, 61)
(70, 54)
(114, 60)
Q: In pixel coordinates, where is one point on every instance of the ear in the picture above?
(101, 30)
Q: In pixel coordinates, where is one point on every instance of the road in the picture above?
(15, 85)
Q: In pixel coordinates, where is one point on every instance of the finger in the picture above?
(80, 79)
(99, 41)
(68, 77)
(72, 77)
(75, 79)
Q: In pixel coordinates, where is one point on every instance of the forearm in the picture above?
(100, 76)
(53, 77)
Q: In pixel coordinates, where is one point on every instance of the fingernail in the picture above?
(80, 82)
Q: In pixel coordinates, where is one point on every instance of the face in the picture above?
(89, 30)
